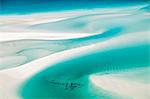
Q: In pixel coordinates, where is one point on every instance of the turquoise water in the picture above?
(78, 69)
(32, 6)
(121, 48)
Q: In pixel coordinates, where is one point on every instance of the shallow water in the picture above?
(85, 50)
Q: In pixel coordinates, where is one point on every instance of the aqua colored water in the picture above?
(78, 70)
(103, 52)
(26, 6)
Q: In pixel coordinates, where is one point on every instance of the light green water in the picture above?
(47, 84)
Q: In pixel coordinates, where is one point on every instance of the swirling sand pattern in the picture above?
(100, 53)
